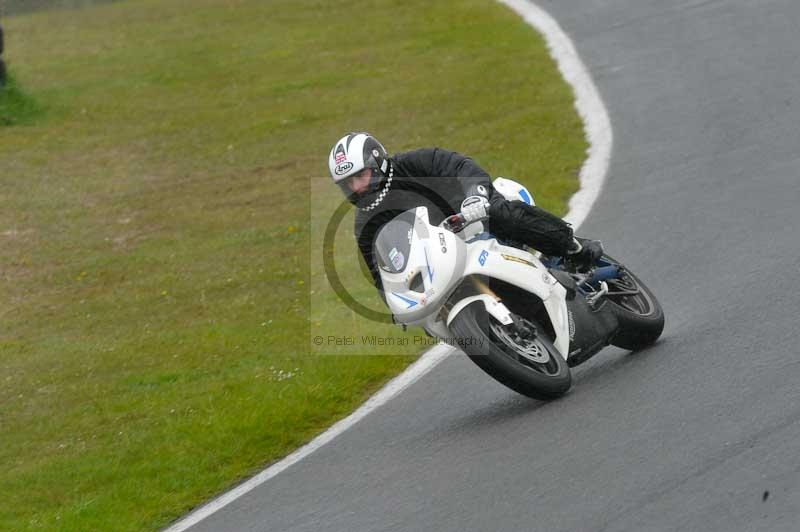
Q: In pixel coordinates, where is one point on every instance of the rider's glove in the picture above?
(475, 208)
(585, 251)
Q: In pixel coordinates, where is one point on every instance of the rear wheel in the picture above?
(528, 363)
(640, 316)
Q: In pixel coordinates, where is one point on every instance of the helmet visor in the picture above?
(363, 188)
(344, 186)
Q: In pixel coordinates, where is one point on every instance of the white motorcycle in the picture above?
(523, 318)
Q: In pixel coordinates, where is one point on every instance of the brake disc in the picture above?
(531, 349)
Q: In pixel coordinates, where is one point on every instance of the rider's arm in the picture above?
(438, 162)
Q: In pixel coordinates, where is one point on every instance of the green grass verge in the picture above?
(155, 278)
(16, 107)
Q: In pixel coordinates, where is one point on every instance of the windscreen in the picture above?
(393, 243)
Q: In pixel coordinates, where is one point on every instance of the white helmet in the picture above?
(351, 154)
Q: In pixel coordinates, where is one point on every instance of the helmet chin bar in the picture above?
(351, 196)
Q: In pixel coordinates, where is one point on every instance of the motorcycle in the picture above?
(522, 317)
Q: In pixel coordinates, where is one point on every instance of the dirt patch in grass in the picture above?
(16, 7)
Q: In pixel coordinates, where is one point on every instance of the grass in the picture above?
(157, 294)
(16, 107)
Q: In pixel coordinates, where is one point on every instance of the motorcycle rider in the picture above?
(445, 182)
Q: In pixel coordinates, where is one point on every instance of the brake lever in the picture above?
(455, 223)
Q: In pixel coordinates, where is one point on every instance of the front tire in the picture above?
(640, 316)
(531, 366)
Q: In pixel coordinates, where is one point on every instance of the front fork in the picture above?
(491, 301)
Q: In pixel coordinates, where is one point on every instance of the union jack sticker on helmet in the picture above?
(340, 155)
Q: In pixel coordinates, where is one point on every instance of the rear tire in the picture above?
(640, 316)
(535, 369)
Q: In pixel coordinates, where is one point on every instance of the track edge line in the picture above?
(597, 128)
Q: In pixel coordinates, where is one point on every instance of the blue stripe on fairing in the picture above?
(524, 195)
(428, 265)
(411, 302)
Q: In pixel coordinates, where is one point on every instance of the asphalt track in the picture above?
(701, 431)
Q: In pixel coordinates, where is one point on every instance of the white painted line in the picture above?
(416, 370)
(597, 127)
(588, 103)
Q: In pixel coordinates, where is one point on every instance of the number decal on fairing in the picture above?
(483, 256)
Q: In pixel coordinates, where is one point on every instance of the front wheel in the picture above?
(527, 363)
(640, 316)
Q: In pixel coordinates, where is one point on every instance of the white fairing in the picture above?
(488, 257)
(433, 257)
(493, 307)
(443, 260)
(511, 190)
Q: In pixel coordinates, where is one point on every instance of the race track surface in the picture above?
(700, 432)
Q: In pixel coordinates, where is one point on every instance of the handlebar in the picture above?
(476, 209)
(458, 222)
